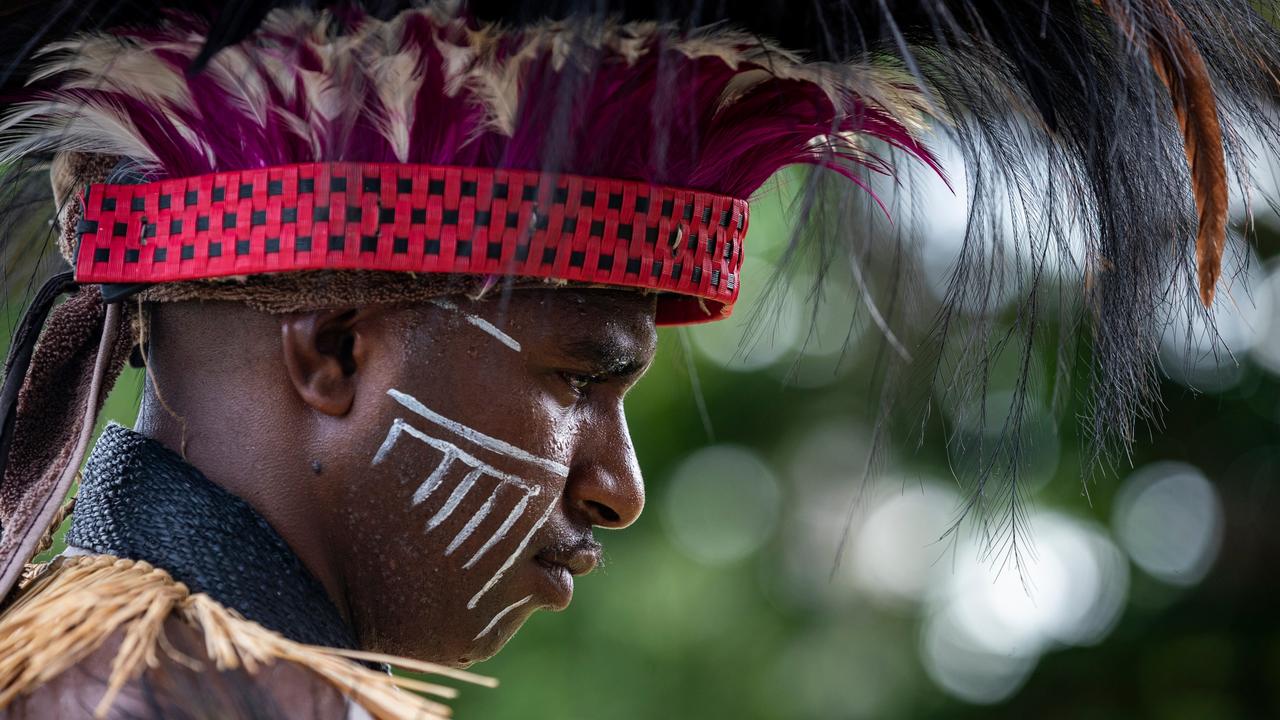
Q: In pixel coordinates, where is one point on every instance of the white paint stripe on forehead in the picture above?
(515, 555)
(497, 618)
(493, 330)
(475, 436)
(502, 530)
(481, 323)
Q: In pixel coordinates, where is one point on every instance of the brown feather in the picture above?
(1178, 63)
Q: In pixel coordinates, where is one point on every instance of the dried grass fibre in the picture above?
(68, 608)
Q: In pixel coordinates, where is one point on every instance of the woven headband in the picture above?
(420, 219)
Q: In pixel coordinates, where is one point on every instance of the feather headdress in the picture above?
(1121, 117)
(427, 87)
(360, 122)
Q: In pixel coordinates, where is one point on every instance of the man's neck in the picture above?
(233, 459)
(139, 500)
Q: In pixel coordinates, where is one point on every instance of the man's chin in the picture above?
(463, 642)
(485, 647)
(461, 653)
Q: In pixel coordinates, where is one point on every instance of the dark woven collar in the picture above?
(139, 500)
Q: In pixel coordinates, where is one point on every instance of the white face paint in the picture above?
(481, 323)
(476, 473)
(494, 622)
(475, 436)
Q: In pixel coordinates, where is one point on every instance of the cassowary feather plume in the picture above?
(1119, 121)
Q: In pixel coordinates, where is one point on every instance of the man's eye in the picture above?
(579, 383)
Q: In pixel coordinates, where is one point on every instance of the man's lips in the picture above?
(559, 564)
(579, 558)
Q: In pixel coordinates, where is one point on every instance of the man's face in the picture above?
(485, 441)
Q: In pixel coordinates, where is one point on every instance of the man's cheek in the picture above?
(472, 504)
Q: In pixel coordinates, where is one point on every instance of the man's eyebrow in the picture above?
(608, 356)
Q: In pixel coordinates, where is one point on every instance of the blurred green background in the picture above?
(1149, 596)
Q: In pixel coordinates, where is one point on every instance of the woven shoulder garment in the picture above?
(156, 547)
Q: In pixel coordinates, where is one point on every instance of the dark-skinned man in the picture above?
(392, 271)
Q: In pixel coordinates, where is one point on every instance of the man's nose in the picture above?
(605, 487)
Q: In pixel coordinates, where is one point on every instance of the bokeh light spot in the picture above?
(990, 621)
(1168, 517)
(722, 504)
(965, 669)
(897, 556)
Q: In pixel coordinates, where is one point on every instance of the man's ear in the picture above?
(323, 352)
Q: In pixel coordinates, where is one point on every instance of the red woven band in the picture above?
(420, 218)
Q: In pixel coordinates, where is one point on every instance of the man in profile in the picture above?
(391, 278)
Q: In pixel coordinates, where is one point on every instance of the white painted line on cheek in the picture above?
(471, 604)
(481, 323)
(472, 524)
(496, 618)
(393, 435)
(503, 529)
(459, 492)
(477, 437)
(448, 447)
(436, 477)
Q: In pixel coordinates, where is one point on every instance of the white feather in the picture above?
(238, 75)
(302, 129)
(111, 65)
(397, 79)
(325, 97)
(90, 127)
(458, 60)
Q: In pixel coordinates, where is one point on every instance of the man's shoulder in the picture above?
(180, 681)
(118, 638)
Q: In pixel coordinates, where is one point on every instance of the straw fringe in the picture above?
(71, 606)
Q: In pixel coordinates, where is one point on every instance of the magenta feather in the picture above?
(658, 114)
